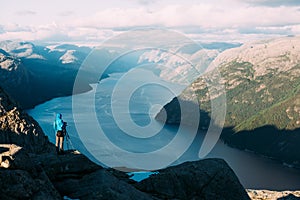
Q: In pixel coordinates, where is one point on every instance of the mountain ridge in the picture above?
(34, 74)
(262, 85)
(268, 80)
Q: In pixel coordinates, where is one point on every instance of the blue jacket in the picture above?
(58, 123)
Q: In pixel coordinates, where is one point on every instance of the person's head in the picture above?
(58, 116)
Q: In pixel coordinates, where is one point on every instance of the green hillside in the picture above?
(262, 84)
(260, 91)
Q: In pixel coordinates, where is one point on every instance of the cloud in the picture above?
(66, 13)
(274, 3)
(12, 27)
(205, 16)
(26, 12)
(146, 2)
(18, 32)
(271, 30)
(55, 33)
(57, 37)
(220, 20)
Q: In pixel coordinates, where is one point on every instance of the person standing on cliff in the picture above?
(58, 126)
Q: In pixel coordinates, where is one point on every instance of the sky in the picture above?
(98, 20)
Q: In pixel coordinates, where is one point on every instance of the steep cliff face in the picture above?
(17, 127)
(14, 77)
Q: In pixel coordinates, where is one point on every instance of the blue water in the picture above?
(252, 170)
(139, 176)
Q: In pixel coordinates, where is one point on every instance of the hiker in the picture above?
(59, 126)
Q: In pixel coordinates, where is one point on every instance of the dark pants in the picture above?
(59, 142)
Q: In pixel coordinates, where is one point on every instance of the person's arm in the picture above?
(54, 125)
(59, 125)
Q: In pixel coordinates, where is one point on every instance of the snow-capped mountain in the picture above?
(33, 73)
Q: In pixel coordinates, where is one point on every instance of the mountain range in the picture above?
(32, 74)
(262, 83)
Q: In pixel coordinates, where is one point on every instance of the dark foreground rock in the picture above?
(75, 176)
(20, 178)
(49, 176)
(205, 179)
(100, 184)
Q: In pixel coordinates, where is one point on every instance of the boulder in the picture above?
(20, 184)
(100, 184)
(20, 178)
(204, 179)
(72, 164)
(14, 157)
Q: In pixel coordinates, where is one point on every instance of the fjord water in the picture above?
(253, 171)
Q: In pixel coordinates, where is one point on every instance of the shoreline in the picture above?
(282, 162)
(89, 88)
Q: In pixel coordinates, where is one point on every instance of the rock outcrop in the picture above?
(270, 195)
(75, 176)
(204, 179)
(48, 176)
(100, 184)
(21, 178)
(17, 127)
